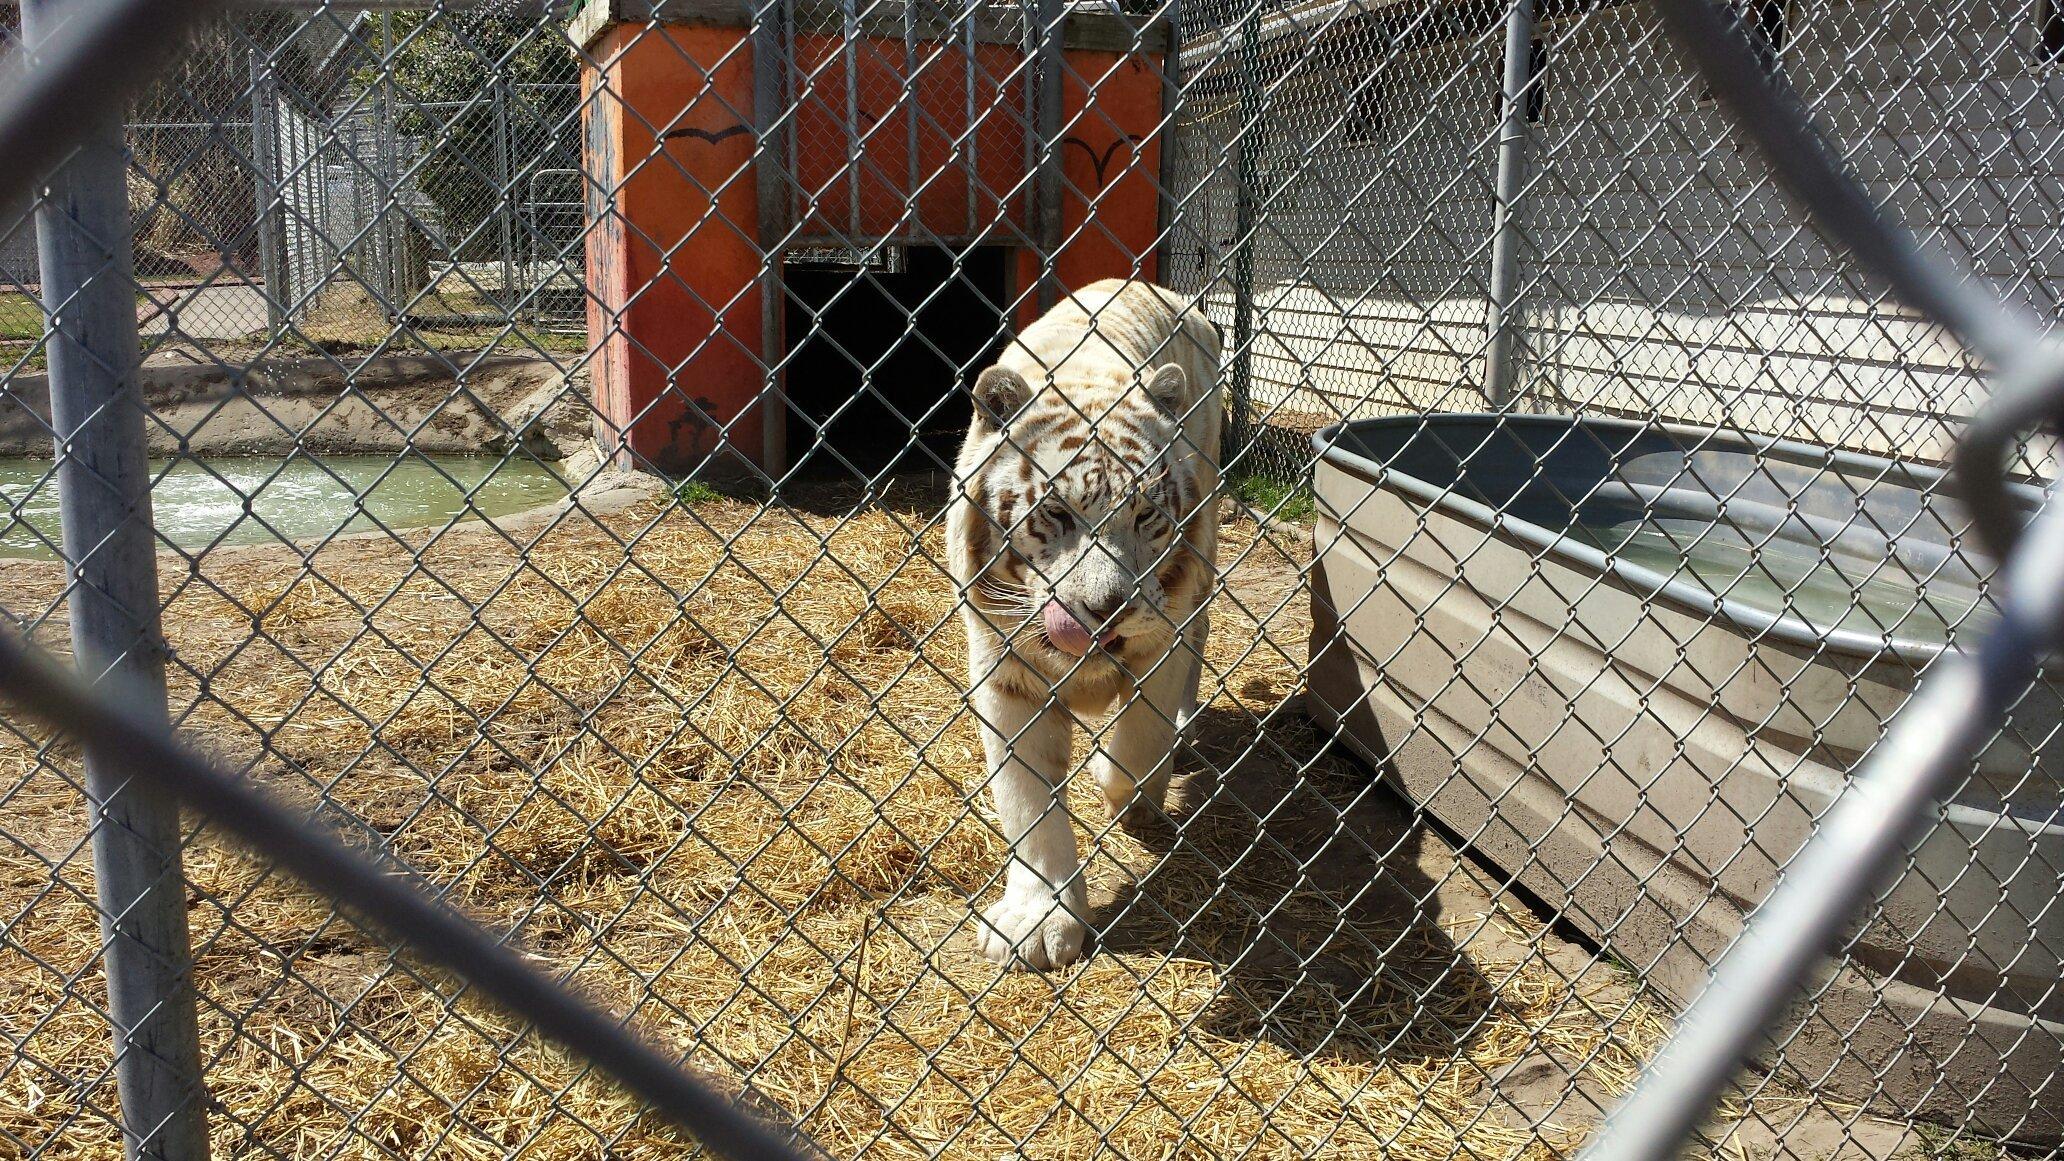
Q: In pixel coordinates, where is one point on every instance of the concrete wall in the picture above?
(1663, 273)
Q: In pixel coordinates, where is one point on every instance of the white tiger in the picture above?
(1084, 534)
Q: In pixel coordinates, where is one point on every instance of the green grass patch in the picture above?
(696, 492)
(1276, 499)
(21, 317)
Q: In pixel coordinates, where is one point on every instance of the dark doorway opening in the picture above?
(877, 379)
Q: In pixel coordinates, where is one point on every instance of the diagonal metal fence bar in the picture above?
(1930, 745)
(383, 897)
(552, 413)
(1854, 853)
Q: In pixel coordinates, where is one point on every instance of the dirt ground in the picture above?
(711, 764)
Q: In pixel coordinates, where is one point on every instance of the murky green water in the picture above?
(1875, 597)
(258, 500)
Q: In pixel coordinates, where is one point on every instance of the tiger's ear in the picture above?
(999, 393)
(1169, 388)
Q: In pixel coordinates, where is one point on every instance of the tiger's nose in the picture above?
(1098, 614)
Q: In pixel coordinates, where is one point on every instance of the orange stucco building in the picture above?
(879, 127)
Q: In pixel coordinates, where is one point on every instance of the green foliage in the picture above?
(696, 492)
(446, 75)
(1291, 503)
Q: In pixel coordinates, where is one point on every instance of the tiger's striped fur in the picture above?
(1084, 532)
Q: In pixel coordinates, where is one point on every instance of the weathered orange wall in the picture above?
(680, 313)
(885, 181)
(1110, 166)
(672, 257)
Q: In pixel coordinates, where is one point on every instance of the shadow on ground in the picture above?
(1309, 886)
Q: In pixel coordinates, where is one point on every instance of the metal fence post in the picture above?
(507, 202)
(1502, 323)
(387, 191)
(1049, 20)
(1246, 177)
(770, 98)
(265, 186)
(849, 69)
(89, 294)
(1171, 145)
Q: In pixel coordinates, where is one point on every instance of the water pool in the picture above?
(259, 500)
(1818, 583)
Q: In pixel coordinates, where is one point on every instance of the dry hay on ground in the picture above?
(723, 779)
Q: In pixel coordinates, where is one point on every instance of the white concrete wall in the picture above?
(1664, 273)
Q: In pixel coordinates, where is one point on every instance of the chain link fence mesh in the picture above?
(1463, 815)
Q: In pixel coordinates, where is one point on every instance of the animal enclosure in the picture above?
(562, 517)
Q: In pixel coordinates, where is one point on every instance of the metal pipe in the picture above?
(104, 478)
(506, 210)
(1050, 19)
(1934, 737)
(799, 203)
(1854, 851)
(1246, 179)
(770, 88)
(384, 232)
(1030, 79)
(1923, 278)
(1502, 323)
(265, 187)
(909, 101)
(1171, 100)
(970, 119)
(848, 49)
(1804, 164)
(61, 89)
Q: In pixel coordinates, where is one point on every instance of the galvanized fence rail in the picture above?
(567, 542)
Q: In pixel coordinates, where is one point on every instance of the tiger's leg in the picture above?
(1039, 922)
(1136, 752)
(1197, 630)
(1194, 635)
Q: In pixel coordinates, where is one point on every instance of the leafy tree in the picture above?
(445, 73)
(191, 187)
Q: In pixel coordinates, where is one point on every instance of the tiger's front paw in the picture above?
(1139, 807)
(1034, 931)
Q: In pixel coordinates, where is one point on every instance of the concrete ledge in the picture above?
(385, 406)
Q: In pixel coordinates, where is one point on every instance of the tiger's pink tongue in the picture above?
(1066, 633)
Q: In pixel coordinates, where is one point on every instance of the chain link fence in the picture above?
(344, 152)
(535, 466)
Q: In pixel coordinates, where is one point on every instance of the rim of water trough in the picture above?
(1789, 628)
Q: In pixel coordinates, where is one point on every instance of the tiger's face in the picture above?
(1083, 499)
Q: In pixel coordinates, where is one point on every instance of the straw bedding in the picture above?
(712, 765)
